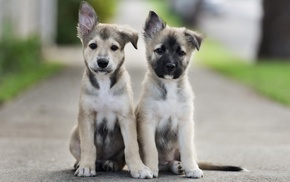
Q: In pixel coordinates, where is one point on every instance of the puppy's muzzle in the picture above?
(170, 67)
(103, 63)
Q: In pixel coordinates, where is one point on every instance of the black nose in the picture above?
(170, 67)
(103, 63)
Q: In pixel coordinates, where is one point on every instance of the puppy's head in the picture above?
(168, 49)
(103, 44)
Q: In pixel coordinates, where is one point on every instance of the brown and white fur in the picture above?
(165, 109)
(105, 136)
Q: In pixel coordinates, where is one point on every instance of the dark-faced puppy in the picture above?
(105, 135)
(165, 109)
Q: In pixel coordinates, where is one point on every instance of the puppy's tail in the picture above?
(214, 167)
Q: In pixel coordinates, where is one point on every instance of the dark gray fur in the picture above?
(106, 138)
(117, 73)
(104, 33)
(92, 78)
(194, 40)
(166, 138)
(153, 25)
(102, 130)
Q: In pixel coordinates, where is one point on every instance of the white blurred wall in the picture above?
(29, 17)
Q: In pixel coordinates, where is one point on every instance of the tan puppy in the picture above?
(165, 110)
(105, 136)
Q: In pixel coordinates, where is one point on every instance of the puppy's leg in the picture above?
(187, 151)
(146, 130)
(88, 149)
(74, 146)
(132, 156)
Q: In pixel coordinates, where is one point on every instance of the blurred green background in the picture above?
(67, 17)
(21, 57)
(21, 63)
(245, 40)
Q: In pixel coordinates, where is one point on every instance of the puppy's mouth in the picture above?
(168, 77)
(101, 71)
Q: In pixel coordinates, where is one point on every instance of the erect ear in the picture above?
(87, 19)
(129, 35)
(153, 25)
(194, 38)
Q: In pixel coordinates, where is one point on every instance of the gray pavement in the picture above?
(234, 125)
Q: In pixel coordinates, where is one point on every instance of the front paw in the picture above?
(155, 173)
(196, 173)
(85, 170)
(110, 166)
(142, 172)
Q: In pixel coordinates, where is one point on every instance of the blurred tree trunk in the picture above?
(275, 40)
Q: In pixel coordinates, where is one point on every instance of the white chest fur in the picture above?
(105, 102)
(176, 106)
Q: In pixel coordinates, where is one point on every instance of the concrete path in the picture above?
(234, 125)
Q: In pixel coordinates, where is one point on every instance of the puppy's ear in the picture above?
(129, 35)
(193, 38)
(87, 19)
(153, 25)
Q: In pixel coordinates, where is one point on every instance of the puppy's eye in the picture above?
(181, 53)
(93, 46)
(114, 47)
(159, 51)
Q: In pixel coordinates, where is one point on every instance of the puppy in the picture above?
(165, 110)
(105, 136)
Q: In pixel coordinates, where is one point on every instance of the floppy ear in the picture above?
(153, 25)
(129, 35)
(87, 19)
(194, 38)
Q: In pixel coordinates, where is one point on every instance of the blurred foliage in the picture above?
(161, 7)
(18, 54)
(13, 84)
(21, 63)
(67, 17)
(269, 77)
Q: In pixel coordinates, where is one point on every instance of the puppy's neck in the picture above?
(105, 81)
